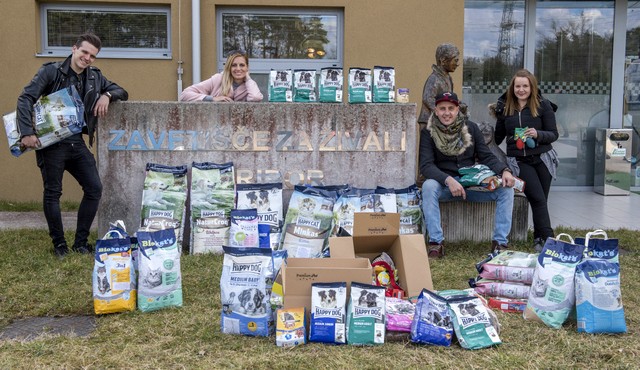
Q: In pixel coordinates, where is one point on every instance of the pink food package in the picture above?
(399, 314)
(502, 289)
(508, 273)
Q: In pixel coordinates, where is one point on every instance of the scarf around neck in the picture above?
(451, 140)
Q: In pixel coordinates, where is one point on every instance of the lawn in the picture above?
(34, 283)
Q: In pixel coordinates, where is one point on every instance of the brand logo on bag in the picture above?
(375, 312)
(254, 268)
(160, 213)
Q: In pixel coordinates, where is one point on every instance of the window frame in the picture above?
(259, 65)
(105, 52)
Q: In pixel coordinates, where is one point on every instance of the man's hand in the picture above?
(31, 141)
(456, 189)
(102, 106)
(507, 179)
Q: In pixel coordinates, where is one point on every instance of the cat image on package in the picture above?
(160, 277)
(281, 85)
(328, 313)
(409, 207)
(359, 85)
(164, 198)
(384, 84)
(331, 81)
(291, 327)
(212, 198)
(366, 315)
(304, 85)
(267, 199)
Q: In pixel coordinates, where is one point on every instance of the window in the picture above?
(125, 31)
(281, 38)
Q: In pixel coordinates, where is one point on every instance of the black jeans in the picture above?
(537, 183)
(75, 158)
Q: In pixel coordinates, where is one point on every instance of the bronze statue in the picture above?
(447, 58)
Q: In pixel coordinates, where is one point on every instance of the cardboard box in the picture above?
(299, 273)
(374, 233)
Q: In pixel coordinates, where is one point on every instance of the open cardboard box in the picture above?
(374, 233)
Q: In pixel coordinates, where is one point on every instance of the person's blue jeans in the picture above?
(433, 193)
(75, 158)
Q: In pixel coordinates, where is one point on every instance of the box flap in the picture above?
(341, 247)
(376, 224)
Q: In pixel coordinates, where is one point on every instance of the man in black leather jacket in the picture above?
(70, 154)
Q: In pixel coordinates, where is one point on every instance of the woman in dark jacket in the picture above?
(528, 123)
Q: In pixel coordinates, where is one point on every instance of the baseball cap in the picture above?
(451, 97)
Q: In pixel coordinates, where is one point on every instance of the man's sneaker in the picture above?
(82, 249)
(538, 244)
(60, 250)
(435, 250)
(497, 247)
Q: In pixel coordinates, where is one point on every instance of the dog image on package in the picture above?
(384, 84)
(281, 85)
(328, 313)
(366, 315)
(331, 85)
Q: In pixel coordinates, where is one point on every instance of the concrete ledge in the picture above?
(474, 221)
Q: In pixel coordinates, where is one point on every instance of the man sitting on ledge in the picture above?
(448, 143)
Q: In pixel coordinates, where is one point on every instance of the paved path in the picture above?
(34, 220)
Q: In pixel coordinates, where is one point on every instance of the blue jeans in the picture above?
(75, 158)
(433, 193)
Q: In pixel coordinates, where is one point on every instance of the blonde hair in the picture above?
(511, 106)
(227, 77)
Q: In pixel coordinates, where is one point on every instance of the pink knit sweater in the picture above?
(248, 91)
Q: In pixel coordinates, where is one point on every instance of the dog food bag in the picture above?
(328, 313)
(281, 86)
(552, 296)
(291, 327)
(243, 289)
(164, 198)
(408, 205)
(507, 304)
(384, 84)
(385, 200)
(331, 85)
(359, 85)
(598, 297)
(114, 285)
(267, 199)
(160, 278)
(366, 315)
(304, 85)
(431, 321)
(399, 314)
(244, 228)
(212, 198)
(499, 288)
(308, 222)
(509, 265)
(473, 324)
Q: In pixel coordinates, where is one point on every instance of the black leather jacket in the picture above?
(52, 77)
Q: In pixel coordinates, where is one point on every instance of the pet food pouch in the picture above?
(308, 222)
(244, 228)
(510, 266)
(114, 286)
(384, 84)
(431, 322)
(328, 313)
(472, 323)
(212, 198)
(164, 199)
(366, 315)
(552, 296)
(499, 288)
(291, 327)
(243, 290)
(331, 85)
(281, 86)
(304, 85)
(359, 85)
(598, 297)
(267, 199)
(399, 314)
(507, 304)
(408, 204)
(159, 279)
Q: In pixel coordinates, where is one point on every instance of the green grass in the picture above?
(34, 283)
(11, 206)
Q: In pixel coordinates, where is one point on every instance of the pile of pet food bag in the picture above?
(246, 222)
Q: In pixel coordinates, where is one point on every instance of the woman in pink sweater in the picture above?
(233, 84)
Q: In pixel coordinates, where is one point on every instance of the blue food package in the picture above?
(431, 322)
(328, 313)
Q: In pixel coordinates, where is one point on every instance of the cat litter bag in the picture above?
(244, 228)
(359, 85)
(408, 205)
(384, 84)
(164, 198)
(328, 313)
(600, 248)
(552, 295)
(304, 85)
(114, 278)
(160, 277)
(598, 297)
(510, 266)
(267, 199)
(473, 323)
(330, 88)
(243, 291)
(366, 315)
(281, 86)
(308, 222)
(212, 198)
(431, 321)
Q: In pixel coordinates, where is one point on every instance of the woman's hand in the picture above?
(222, 98)
(531, 132)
